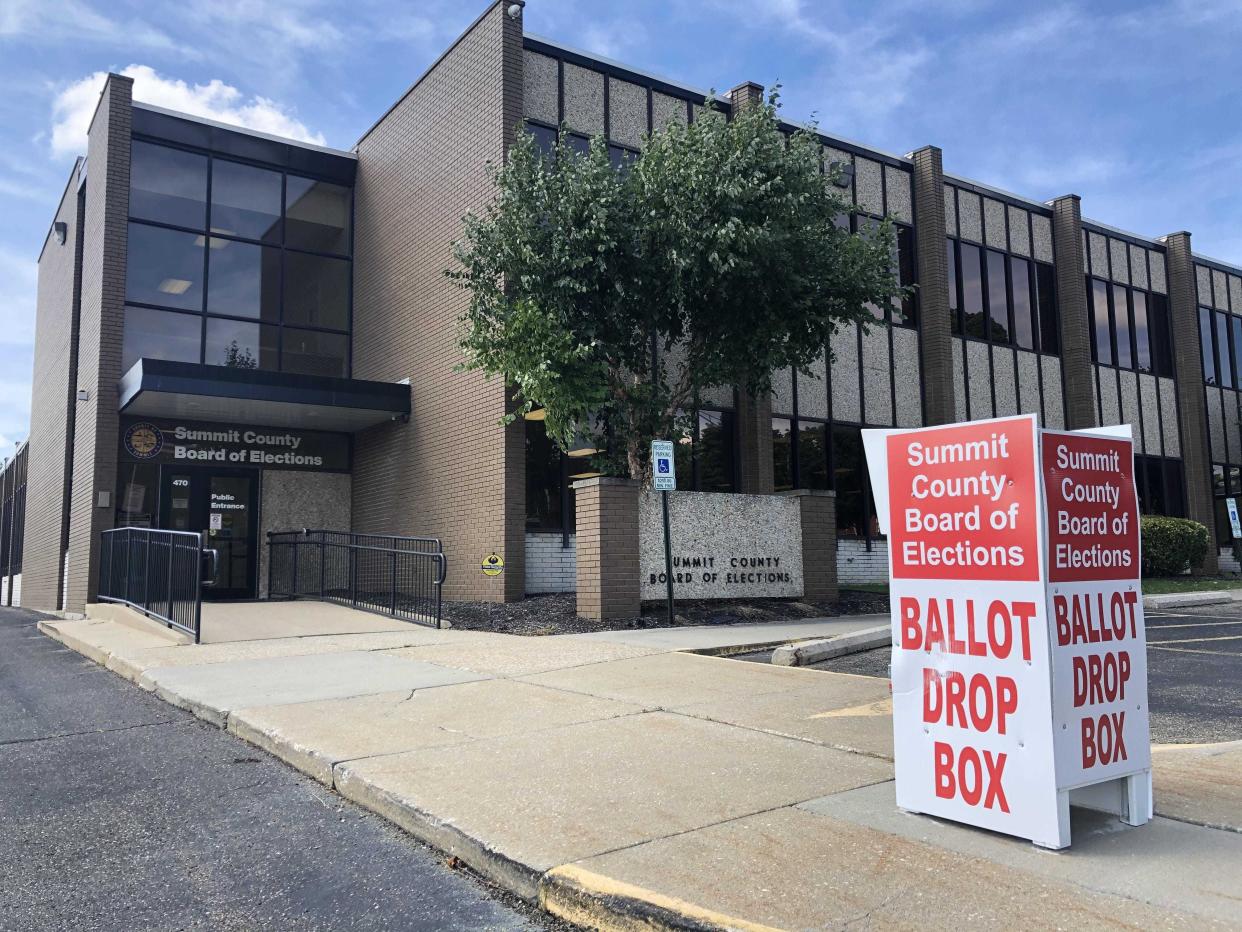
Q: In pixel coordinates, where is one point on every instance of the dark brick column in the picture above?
(819, 544)
(1076, 364)
(935, 327)
(1192, 413)
(754, 415)
(608, 570)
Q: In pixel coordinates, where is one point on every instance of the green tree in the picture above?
(611, 297)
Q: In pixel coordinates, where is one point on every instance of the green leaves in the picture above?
(719, 246)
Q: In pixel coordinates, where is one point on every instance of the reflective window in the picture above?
(1020, 294)
(782, 455)
(243, 280)
(812, 455)
(245, 201)
(850, 482)
(153, 334)
(1206, 347)
(1121, 320)
(1224, 366)
(311, 352)
(904, 310)
(316, 291)
(238, 344)
(714, 452)
(1101, 333)
(1046, 296)
(544, 480)
(1142, 335)
(317, 215)
(972, 291)
(955, 310)
(1235, 324)
(998, 308)
(1161, 335)
(545, 138)
(164, 267)
(168, 185)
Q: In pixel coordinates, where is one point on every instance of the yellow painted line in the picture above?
(609, 888)
(883, 707)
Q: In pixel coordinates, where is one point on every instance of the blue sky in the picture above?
(1134, 106)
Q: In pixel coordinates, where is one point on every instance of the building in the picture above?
(238, 333)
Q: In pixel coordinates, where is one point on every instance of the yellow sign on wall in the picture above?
(493, 564)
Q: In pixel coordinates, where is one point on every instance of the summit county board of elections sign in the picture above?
(984, 699)
(191, 443)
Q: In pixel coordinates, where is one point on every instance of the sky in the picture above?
(1136, 107)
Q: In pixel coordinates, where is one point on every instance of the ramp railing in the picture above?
(159, 573)
(398, 576)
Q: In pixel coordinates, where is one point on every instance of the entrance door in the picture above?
(223, 505)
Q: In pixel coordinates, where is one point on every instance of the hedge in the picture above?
(1172, 545)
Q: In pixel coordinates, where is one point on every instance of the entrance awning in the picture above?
(162, 388)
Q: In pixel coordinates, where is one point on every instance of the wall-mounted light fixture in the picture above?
(83, 395)
(60, 230)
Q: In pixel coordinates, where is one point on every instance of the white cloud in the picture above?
(19, 276)
(49, 21)
(74, 107)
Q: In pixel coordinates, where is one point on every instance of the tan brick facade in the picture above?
(1076, 365)
(608, 570)
(819, 544)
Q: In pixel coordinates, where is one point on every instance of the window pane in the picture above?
(1174, 489)
(950, 261)
(168, 185)
(812, 455)
(317, 215)
(715, 451)
(164, 267)
(1049, 325)
(579, 144)
(782, 465)
(1102, 333)
(848, 480)
(1206, 347)
(160, 335)
(240, 345)
(545, 139)
(243, 280)
(1142, 335)
(1121, 321)
(904, 309)
(316, 291)
(1235, 324)
(137, 487)
(1161, 338)
(1224, 366)
(1157, 503)
(1023, 325)
(543, 479)
(972, 291)
(621, 158)
(245, 201)
(313, 353)
(683, 451)
(997, 306)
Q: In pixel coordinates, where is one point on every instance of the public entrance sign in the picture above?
(990, 726)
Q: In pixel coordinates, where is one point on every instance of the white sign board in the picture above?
(983, 694)
(1234, 523)
(663, 471)
(215, 521)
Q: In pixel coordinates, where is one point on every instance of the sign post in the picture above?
(664, 480)
(1007, 671)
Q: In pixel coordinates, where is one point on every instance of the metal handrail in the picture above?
(156, 572)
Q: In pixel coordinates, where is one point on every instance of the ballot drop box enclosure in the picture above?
(1019, 662)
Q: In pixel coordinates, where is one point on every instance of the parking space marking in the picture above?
(1201, 624)
(1191, 650)
(1228, 637)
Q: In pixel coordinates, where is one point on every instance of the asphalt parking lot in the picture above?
(1194, 673)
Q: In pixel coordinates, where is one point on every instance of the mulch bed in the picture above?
(555, 614)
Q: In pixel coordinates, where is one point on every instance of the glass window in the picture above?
(683, 452)
(1224, 366)
(850, 482)
(579, 144)
(622, 158)
(1174, 489)
(245, 201)
(1020, 287)
(164, 267)
(1235, 325)
(544, 479)
(316, 291)
(972, 291)
(955, 311)
(715, 451)
(168, 185)
(782, 462)
(317, 215)
(1101, 333)
(311, 352)
(545, 138)
(238, 344)
(1161, 337)
(1142, 335)
(904, 314)
(1121, 318)
(137, 494)
(243, 280)
(1049, 324)
(812, 455)
(998, 307)
(160, 335)
(1206, 347)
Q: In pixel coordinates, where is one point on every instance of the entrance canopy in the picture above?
(162, 388)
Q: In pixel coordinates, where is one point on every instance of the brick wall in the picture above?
(819, 544)
(451, 472)
(935, 333)
(1076, 383)
(550, 566)
(855, 564)
(607, 548)
(101, 327)
(51, 406)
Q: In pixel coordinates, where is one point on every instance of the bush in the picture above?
(1172, 545)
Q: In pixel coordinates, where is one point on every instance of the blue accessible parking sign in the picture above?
(662, 471)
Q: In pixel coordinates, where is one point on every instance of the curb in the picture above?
(808, 652)
(1191, 599)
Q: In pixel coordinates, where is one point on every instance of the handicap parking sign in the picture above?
(664, 479)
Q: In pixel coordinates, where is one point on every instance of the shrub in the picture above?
(1172, 545)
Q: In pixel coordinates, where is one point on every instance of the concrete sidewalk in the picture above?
(622, 782)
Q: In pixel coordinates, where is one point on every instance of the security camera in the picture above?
(515, 10)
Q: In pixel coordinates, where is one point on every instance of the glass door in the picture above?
(221, 505)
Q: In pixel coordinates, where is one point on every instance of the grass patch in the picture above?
(1168, 584)
(878, 588)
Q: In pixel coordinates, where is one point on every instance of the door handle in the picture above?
(211, 566)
